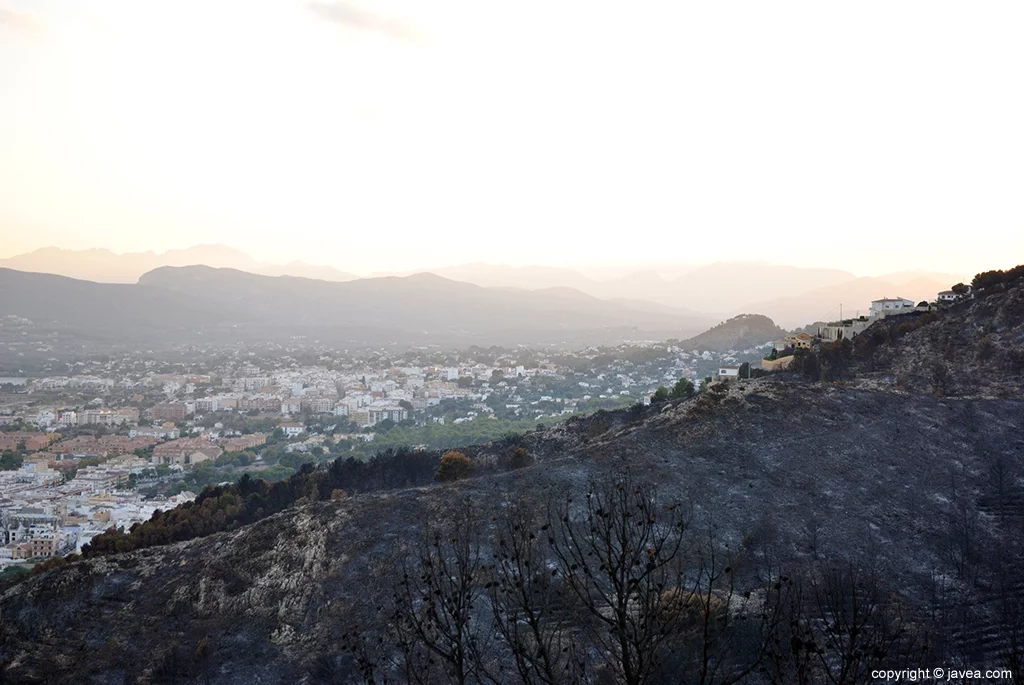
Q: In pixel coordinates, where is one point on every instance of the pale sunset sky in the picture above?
(871, 136)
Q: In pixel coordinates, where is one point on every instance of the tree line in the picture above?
(226, 507)
(987, 279)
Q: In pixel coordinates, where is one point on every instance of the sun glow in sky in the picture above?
(396, 134)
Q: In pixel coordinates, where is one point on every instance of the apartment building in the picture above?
(110, 417)
(185, 452)
(169, 411)
(244, 442)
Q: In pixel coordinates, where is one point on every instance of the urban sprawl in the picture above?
(106, 441)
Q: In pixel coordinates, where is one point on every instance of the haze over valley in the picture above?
(792, 296)
(556, 343)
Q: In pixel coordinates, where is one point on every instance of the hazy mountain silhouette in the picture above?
(105, 266)
(855, 296)
(792, 296)
(732, 286)
(413, 304)
(195, 303)
(909, 275)
(721, 287)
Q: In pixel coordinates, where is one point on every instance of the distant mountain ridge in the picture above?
(792, 296)
(720, 287)
(850, 299)
(104, 266)
(199, 303)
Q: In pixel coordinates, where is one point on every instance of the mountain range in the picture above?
(791, 296)
(173, 305)
(787, 294)
(105, 266)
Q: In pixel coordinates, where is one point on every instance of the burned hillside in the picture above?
(758, 513)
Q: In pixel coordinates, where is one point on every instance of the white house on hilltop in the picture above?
(728, 373)
(889, 305)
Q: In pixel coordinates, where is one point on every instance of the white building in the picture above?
(728, 373)
(45, 418)
(321, 405)
(950, 296)
(255, 383)
(170, 432)
(206, 404)
(889, 305)
(293, 429)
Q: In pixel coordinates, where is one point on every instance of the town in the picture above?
(106, 441)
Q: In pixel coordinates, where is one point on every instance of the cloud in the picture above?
(21, 23)
(356, 18)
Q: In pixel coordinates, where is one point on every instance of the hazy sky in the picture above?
(393, 134)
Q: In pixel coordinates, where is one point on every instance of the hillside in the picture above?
(794, 501)
(738, 333)
(806, 475)
(972, 348)
(100, 311)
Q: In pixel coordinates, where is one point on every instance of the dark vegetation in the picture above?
(799, 533)
(611, 585)
(731, 569)
(988, 279)
(226, 507)
(975, 346)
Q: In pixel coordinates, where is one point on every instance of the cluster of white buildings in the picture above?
(366, 397)
(41, 517)
(880, 309)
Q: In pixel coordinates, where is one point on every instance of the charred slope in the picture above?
(920, 488)
(975, 347)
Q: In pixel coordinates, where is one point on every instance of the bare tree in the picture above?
(532, 612)
(842, 624)
(664, 604)
(962, 525)
(723, 635)
(623, 561)
(367, 648)
(438, 605)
